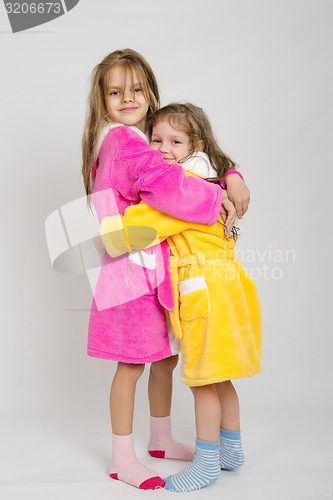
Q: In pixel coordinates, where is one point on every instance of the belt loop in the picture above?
(201, 259)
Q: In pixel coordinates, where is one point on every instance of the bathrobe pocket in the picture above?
(194, 299)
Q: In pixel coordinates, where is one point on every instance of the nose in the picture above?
(128, 95)
(163, 147)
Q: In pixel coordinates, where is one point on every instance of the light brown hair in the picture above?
(194, 122)
(97, 115)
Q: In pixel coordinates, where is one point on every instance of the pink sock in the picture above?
(162, 445)
(126, 467)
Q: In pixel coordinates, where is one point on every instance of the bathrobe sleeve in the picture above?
(137, 171)
(140, 227)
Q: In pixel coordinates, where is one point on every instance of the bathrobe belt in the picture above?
(200, 259)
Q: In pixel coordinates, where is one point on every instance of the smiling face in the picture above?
(124, 98)
(174, 144)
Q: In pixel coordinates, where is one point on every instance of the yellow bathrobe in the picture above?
(217, 314)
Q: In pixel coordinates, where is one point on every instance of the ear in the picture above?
(201, 145)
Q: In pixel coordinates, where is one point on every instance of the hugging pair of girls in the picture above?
(169, 280)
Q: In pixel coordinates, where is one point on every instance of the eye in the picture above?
(155, 141)
(176, 142)
(137, 90)
(114, 92)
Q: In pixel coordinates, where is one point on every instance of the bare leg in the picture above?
(124, 464)
(231, 452)
(122, 397)
(161, 443)
(227, 394)
(160, 386)
(207, 412)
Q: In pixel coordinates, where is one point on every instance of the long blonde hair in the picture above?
(195, 123)
(97, 116)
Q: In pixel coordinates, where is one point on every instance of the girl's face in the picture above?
(124, 98)
(174, 144)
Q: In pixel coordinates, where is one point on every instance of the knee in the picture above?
(203, 390)
(225, 387)
(165, 365)
(129, 371)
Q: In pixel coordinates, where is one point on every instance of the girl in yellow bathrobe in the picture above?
(217, 314)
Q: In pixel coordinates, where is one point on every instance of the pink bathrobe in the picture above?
(127, 318)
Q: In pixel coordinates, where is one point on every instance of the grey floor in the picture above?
(287, 457)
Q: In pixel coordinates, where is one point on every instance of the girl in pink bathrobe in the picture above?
(127, 320)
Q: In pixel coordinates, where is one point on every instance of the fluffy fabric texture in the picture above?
(127, 319)
(127, 164)
(220, 324)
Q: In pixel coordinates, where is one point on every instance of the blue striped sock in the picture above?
(231, 453)
(204, 469)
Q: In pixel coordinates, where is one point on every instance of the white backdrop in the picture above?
(262, 70)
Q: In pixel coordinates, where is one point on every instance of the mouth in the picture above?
(127, 110)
